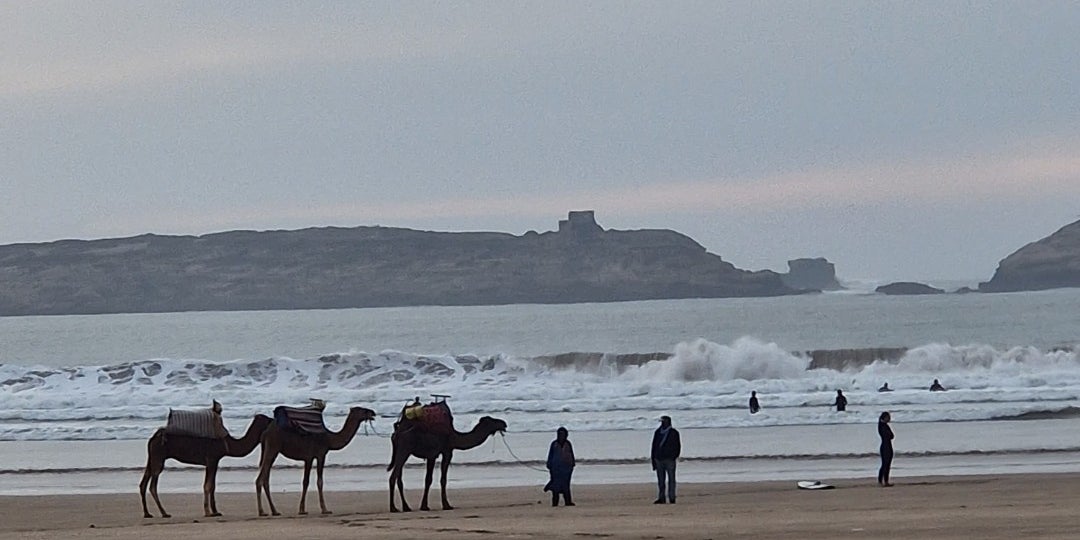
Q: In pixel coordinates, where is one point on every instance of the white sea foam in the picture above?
(709, 382)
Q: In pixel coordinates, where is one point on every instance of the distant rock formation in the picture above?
(811, 275)
(366, 267)
(908, 287)
(1050, 263)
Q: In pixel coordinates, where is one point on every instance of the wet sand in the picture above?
(1008, 506)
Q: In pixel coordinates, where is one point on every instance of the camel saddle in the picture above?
(433, 417)
(303, 420)
(203, 423)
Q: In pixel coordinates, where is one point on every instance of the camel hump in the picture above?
(204, 423)
(302, 420)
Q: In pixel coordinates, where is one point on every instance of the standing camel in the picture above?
(195, 451)
(412, 440)
(307, 448)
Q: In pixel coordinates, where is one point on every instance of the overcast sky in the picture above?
(899, 140)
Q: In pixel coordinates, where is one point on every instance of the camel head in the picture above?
(491, 425)
(363, 414)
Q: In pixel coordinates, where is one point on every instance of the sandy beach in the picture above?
(1009, 506)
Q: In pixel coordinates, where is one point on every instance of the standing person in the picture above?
(666, 448)
(560, 463)
(841, 401)
(886, 434)
(754, 407)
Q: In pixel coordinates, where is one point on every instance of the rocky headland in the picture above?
(366, 267)
(1050, 263)
(908, 287)
(812, 275)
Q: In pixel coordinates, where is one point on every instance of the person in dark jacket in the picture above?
(886, 434)
(560, 464)
(754, 406)
(841, 401)
(666, 448)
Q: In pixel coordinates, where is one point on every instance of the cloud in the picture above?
(1054, 173)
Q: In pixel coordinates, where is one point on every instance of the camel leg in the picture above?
(209, 486)
(427, 483)
(401, 488)
(318, 484)
(394, 471)
(442, 481)
(146, 480)
(151, 473)
(304, 486)
(154, 493)
(396, 468)
(262, 482)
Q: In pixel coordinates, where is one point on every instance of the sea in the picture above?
(80, 395)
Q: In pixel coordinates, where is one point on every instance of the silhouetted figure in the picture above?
(886, 434)
(560, 463)
(884, 388)
(666, 448)
(841, 401)
(936, 387)
(754, 407)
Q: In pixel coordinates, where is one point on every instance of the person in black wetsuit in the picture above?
(936, 387)
(886, 434)
(841, 401)
(754, 406)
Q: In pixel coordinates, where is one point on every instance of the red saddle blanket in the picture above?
(306, 420)
(433, 417)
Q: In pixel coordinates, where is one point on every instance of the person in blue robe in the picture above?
(560, 464)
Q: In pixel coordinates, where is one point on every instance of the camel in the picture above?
(307, 448)
(411, 440)
(195, 451)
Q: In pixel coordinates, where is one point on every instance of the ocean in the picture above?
(79, 395)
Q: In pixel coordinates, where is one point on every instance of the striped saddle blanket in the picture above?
(304, 420)
(205, 423)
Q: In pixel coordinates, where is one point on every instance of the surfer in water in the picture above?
(841, 401)
(754, 407)
(884, 388)
(936, 387)
(886, 434)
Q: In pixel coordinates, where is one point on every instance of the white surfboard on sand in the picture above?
(806, 484)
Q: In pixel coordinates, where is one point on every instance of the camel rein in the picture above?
(519, 460)
(373, 432)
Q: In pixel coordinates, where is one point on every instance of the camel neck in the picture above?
(470, 439)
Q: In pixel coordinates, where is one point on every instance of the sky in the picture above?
(900, 140)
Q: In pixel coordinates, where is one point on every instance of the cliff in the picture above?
(811, 274)
(366, 267)
(1050, 263)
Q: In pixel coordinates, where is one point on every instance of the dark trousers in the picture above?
(665, 476)
(567, 499)
(886, 465)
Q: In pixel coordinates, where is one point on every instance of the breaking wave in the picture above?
(594, 390)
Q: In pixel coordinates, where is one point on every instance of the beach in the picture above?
(1007, 506)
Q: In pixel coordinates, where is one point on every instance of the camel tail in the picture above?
(390, 467)
(158, 435)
